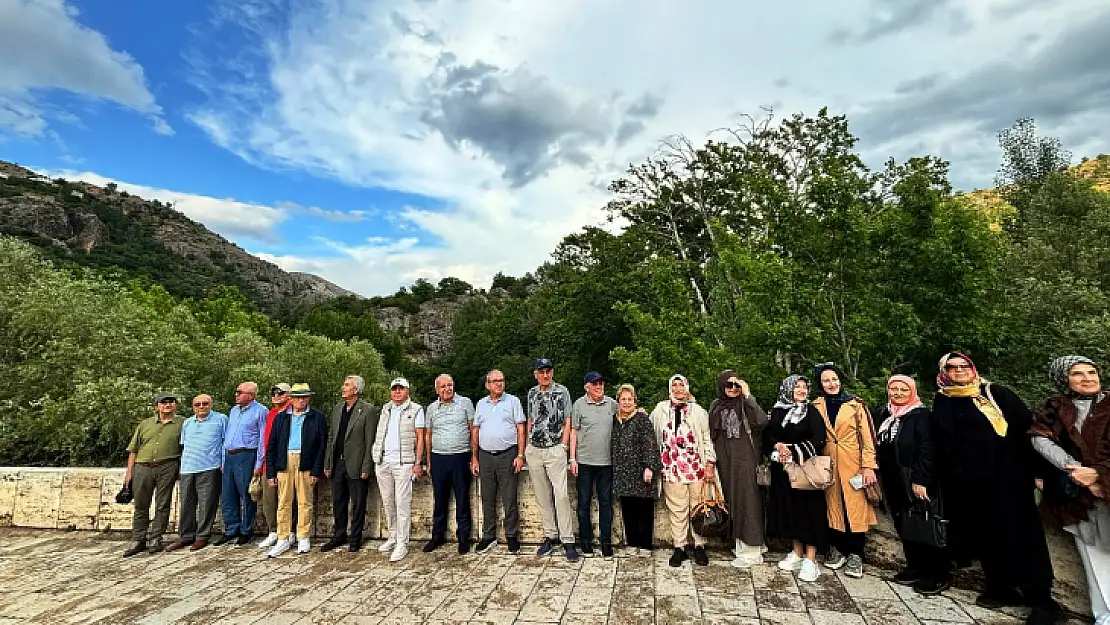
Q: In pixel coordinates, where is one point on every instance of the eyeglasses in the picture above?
(278, 393)
(497, 381)
(957, 367)
(201, 404)
(238, 392)
(731, 384)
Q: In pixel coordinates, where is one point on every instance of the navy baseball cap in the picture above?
(594, 376)
(544, 363)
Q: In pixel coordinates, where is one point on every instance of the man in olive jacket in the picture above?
(347, 461)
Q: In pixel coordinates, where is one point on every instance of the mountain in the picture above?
(113, 231)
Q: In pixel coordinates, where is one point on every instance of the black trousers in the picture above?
(638, 514)
(451, 476)
(592, 478)
(848, 543)
(348, 489)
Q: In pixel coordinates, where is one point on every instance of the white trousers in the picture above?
(395, 486)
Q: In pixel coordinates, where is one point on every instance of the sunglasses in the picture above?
(275, 392)
(957, 367)
(731, 384)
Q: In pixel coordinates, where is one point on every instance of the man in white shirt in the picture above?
(398, 453)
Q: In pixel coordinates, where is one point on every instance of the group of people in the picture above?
(974, 460)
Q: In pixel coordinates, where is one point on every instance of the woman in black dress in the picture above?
(796, 432)
(906, 454)
(986, 473)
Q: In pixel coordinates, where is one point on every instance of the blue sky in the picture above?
(381, 141)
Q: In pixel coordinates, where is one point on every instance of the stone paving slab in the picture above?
(78, 577)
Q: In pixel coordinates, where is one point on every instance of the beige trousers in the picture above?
(293, 483)
(548, 470)
(680, 499)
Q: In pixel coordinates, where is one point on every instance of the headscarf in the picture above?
(973, 391)
(795, 410)
(832, 402)
(678, 406)
(684, 383)
(896, 412)
(1059, 369)
(724, 404)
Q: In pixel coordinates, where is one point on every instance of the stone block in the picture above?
(9, 478)
(113, 516)
(79, 505)
(37, 498)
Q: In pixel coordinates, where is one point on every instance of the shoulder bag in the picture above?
(710, 517)
(874, 491)
(814, 473)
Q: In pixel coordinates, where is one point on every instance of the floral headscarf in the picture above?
(972, 390)
(1060, 367)
(796, 410)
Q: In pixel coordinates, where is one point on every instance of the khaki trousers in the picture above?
(548, 471)
(680, 499)
(294, 484)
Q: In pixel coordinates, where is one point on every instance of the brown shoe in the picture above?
(174, 546)
(200, 544)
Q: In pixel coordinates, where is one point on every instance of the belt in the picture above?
(498, 453)
(546, 446)
(156, 463)
(240, 450)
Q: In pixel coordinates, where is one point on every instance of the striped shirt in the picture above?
(202, 443)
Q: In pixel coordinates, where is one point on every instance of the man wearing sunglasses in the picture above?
(152, 464)
(246, 428)
(279, 400)
(202, 439)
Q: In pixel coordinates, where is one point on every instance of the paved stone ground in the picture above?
(57, 577)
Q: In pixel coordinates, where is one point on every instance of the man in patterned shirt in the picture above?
(549, 405)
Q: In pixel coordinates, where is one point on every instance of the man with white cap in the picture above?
(398, 453)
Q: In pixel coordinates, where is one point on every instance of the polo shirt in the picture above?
(496, 422)
(594, 422)
(202, 443)
(154, 441)
(450, 424)
(296, 424)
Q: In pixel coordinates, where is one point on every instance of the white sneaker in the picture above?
(792, 562)
(399, 552)
(304, 545)
(809, 572)
(1103, 620)
(747, 561)
(388, 545)
(270, 541)
(281, 547)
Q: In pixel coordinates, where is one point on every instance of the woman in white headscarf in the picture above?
(688, 459)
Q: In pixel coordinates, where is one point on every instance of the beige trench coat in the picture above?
(843, 447)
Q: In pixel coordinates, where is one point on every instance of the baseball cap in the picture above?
(593, 376)
(544, 363)
(160, 397)
(399, 382)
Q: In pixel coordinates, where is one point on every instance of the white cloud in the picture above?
(509, 114)
(44, 48)
(231, 218)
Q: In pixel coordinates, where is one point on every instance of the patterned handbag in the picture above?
(710, 517)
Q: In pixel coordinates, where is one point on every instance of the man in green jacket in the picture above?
(347, 461)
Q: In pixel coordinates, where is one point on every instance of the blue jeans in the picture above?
(590, 478)
(238, 471)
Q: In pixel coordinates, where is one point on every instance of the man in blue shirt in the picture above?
(202, 451)
(497, 444)
(246, 429)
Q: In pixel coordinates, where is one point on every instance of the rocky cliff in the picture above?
(429, 329)
(98, 226)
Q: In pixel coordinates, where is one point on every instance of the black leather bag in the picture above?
(924, 523)
(125, 496)
(710, 518)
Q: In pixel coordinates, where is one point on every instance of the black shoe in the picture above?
(931, 587)
(485, 545)
(1044, 614)
(994, 599)
(433, 544)
(678, 556)
(700, 557)
(514, 546)
(464, 547)
(908, 577)
(135, 549)
(586, 549)
(243, 540)
(225, 539)
(354, 546)
(335, 543)
(607, 551)
(155, 546)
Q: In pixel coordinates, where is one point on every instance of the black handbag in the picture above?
(924, 523)
(710, 518)
(125, 496)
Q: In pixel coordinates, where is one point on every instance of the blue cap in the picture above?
(593, 376)
(544, 363)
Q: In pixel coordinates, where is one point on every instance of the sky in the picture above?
(377, 142)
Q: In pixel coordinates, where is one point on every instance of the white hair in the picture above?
(442, 376)
(359, 382)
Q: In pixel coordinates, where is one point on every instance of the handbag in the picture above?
(125, 496)
(924, 523)
(255, 489)
(815, 473)
(874, 491)
(710, 517)
(763, 474)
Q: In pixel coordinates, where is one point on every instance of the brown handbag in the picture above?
(874, 491)
(815, 473)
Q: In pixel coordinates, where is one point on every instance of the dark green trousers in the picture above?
(147, 484)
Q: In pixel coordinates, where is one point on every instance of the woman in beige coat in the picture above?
(851, 443)
(688, 459)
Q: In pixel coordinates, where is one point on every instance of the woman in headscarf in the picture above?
(851, 444)
(734, 420)
(906, 451)
(1072, 432)
(795, 433)
(986, 473)
(688, 459)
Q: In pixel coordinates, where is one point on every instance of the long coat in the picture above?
(843, 446)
